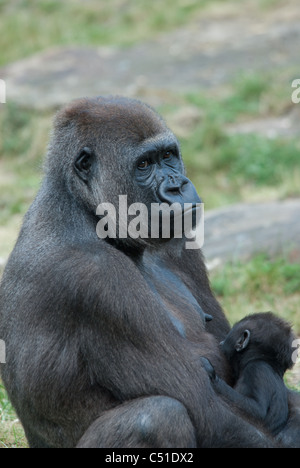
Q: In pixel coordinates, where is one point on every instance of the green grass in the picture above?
(23, 144)
(257, 160)
(243, 167)
(28, 26)
(251, 94)
(261, 284)
(11, 432)
(228, 167)
(250, 91)
(7, 412)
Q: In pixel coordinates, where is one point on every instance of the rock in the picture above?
(285, 126)
(204, 54)
(240, 231)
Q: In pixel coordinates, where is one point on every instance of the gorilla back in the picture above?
(104, 336)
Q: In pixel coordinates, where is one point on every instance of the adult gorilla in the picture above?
(104, 337)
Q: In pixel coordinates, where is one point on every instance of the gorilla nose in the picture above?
(175, 184)
(171, 187)
(177, 188)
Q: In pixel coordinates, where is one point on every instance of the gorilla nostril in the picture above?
(175, 184)
(174, 188)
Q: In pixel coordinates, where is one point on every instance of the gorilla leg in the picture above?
(143, 423)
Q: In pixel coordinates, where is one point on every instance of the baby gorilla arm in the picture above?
(250, 395)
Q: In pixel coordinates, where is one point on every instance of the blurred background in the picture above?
(220, 72)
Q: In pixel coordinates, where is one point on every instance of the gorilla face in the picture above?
(159, 170)
(160, 174)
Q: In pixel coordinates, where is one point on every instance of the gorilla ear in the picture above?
(83, 163)
(243, 341)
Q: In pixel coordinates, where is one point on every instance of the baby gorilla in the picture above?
(259, 350)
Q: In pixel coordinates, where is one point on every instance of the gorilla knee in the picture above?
(149, 422)
(165, 423)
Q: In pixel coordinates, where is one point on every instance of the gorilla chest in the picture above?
(179, 305)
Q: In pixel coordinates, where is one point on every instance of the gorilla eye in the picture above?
(167, 155)
(83, 163)
(143, 164)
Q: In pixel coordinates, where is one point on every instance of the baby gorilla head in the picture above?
(259, 350)
(260, 336)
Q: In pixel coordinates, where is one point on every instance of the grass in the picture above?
(23, 143)
(261, 284)
(230, 167)
(11, 432)
(257, 160)
(30, 26)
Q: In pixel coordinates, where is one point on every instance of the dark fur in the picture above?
(104, 339)
(259, 350)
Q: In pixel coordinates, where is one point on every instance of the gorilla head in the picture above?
(106, 147)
